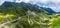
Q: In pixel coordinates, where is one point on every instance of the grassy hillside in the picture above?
(26, 15)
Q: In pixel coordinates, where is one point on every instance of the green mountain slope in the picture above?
(32, 16)
(7, 6)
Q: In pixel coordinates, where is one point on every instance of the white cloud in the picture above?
(18, 1)
(54, 4)
(26, 1)
(10, 0)
(1, 2)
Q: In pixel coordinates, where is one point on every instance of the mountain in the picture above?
(49, 10)
(32, 16)
(18, 8)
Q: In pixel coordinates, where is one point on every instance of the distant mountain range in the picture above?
(7, 7)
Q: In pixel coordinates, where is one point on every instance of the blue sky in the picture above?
(54, 4)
